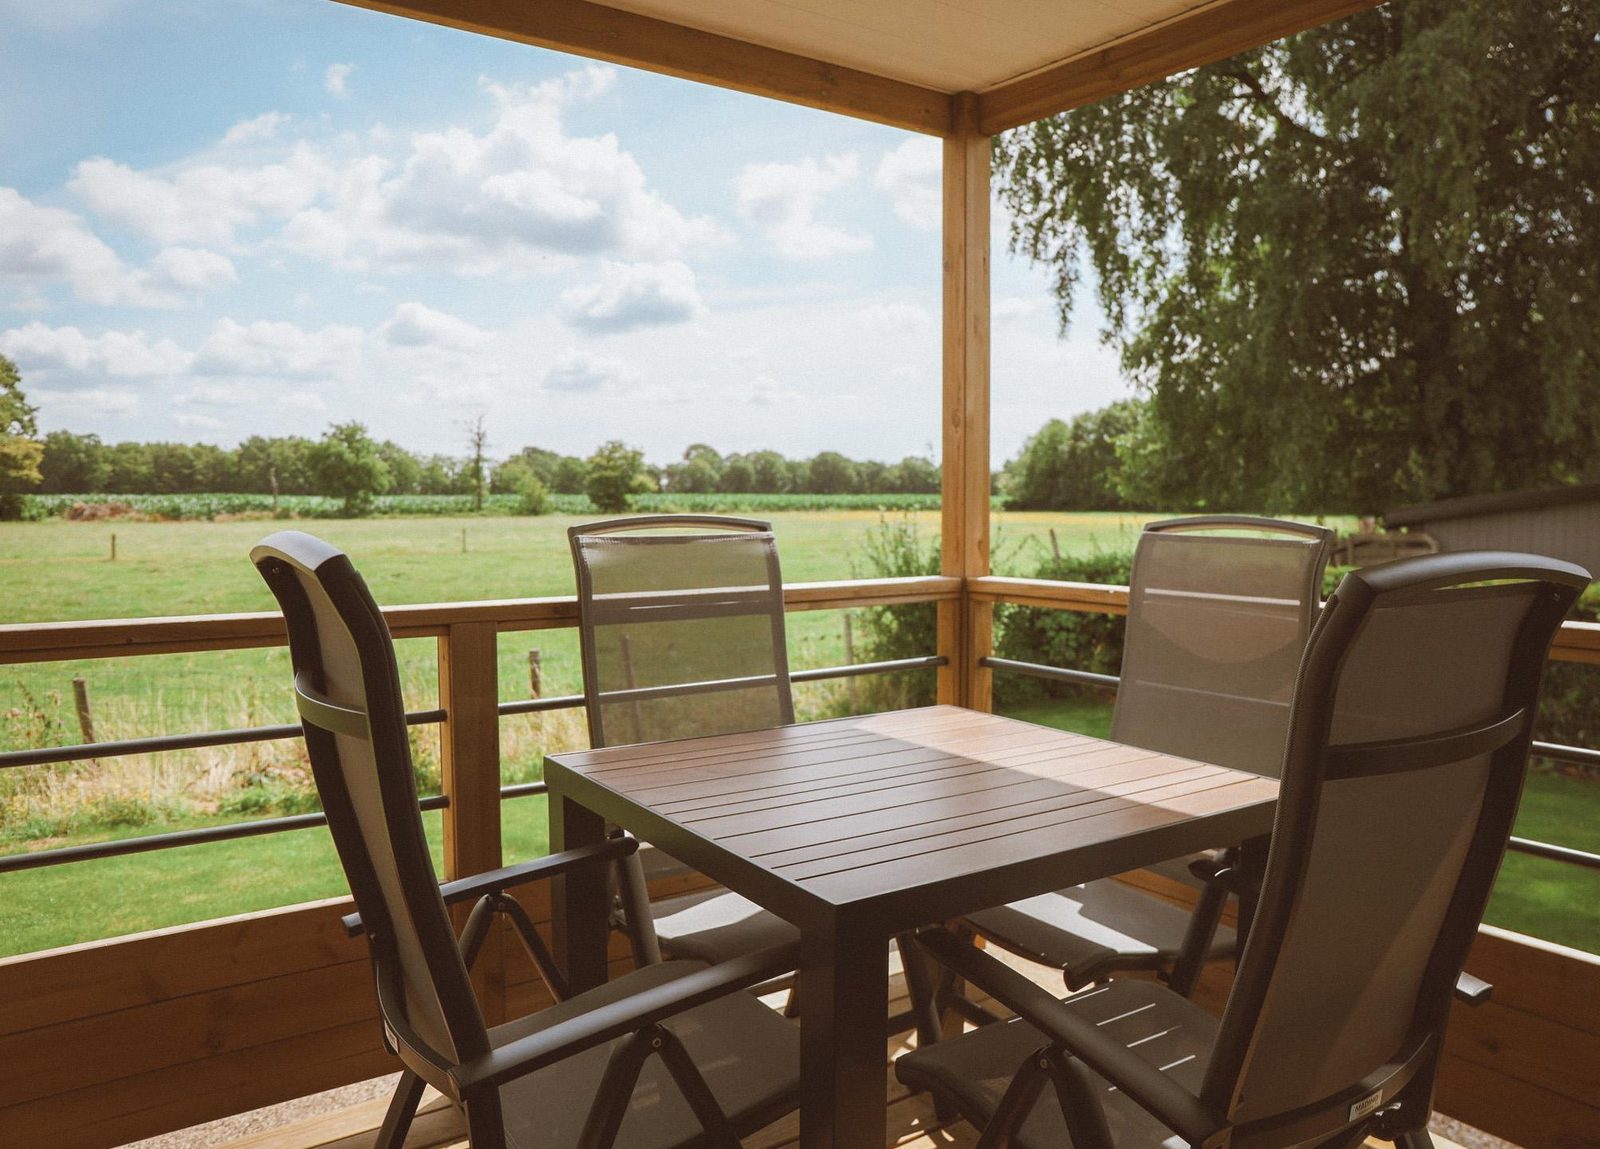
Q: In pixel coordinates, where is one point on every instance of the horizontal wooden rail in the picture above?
(122, 637)
(1576, 641)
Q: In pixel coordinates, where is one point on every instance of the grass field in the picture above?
(58, 570)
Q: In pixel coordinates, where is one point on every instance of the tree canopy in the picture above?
(20, 450)
(1352, 268)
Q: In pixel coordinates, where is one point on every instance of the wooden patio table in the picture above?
(857, 829)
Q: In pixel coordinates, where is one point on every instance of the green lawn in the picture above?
(61, 571)
(62, 905)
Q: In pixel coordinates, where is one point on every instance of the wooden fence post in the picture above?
(469, 754)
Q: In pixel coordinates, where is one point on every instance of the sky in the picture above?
(222, 218)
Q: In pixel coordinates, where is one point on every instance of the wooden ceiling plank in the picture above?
(1201, 36)
(620, 37)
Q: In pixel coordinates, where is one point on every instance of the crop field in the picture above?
(57, 570)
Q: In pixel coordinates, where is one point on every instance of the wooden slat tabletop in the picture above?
(872, 810)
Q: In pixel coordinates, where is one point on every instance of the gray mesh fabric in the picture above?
(360, 769)
(1379, 877)
(1216, 626)
(699, 612)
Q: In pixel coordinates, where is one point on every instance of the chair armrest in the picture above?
(602, 1024)
(1472, 990)
(1182, 1111)
(493, 881)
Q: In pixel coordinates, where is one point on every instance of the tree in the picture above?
(405, 473)
(831, 473)
(615, 472)
(1073, 466)
(770, 473)
(20, 450)
(1351, 268)
(915, 475)
(73, 464)
(346, 464)
(699, 473)
(274, 465)
(738, 477)
(476, 472)
(571, 476)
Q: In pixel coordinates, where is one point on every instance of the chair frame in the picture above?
(1394, 1100)
(473, 1078)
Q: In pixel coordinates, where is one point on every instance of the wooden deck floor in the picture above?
(912, 1122)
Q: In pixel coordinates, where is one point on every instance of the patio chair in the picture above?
(682, 634)
(1407, 747)
(668, 1055)
(1216, 626)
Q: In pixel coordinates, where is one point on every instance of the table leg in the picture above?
(579, 900)
(844, 995)
(1252, 868)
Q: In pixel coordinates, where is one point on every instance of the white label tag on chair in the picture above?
(1366, 1105)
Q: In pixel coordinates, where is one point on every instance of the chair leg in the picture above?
(1197, 939)
(402, 1108)
(635, 899)
(1414, 1139)
(1016, 1103)
(920, 988)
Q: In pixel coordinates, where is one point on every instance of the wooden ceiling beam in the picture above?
(619, 37)
(1200, 36)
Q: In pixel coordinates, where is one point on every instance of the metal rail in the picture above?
(38, 859)
(1551, 750)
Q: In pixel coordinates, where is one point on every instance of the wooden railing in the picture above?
(114, 1040)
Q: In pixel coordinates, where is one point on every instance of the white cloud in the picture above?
(307, 401)
(37, 347)
(631, 296)
(263, 127)
(1010, 308)
(782, 200)
(217, 396)
(582, 371)
(193, 269)
(201, 203)
(269, 348)
(72, 406)
(336, 79)
(197, 422)
(501, 202)
(416, 325)
(896, 317)
(912, 176)
(40, 244)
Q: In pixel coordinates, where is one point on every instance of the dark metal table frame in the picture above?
(856, 877)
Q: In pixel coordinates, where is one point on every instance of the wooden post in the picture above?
(469, 752)
(80, 696)
(113, 546)
(850, 660)
(535, 673)
(965, 628)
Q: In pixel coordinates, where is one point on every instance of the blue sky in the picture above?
(220, 219)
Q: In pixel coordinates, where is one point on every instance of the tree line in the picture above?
(72, 463)
(348, 463)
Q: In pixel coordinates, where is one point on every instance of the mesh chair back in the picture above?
(681, 627)
(347, 688)
(1410, 734)
(1216, 627)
